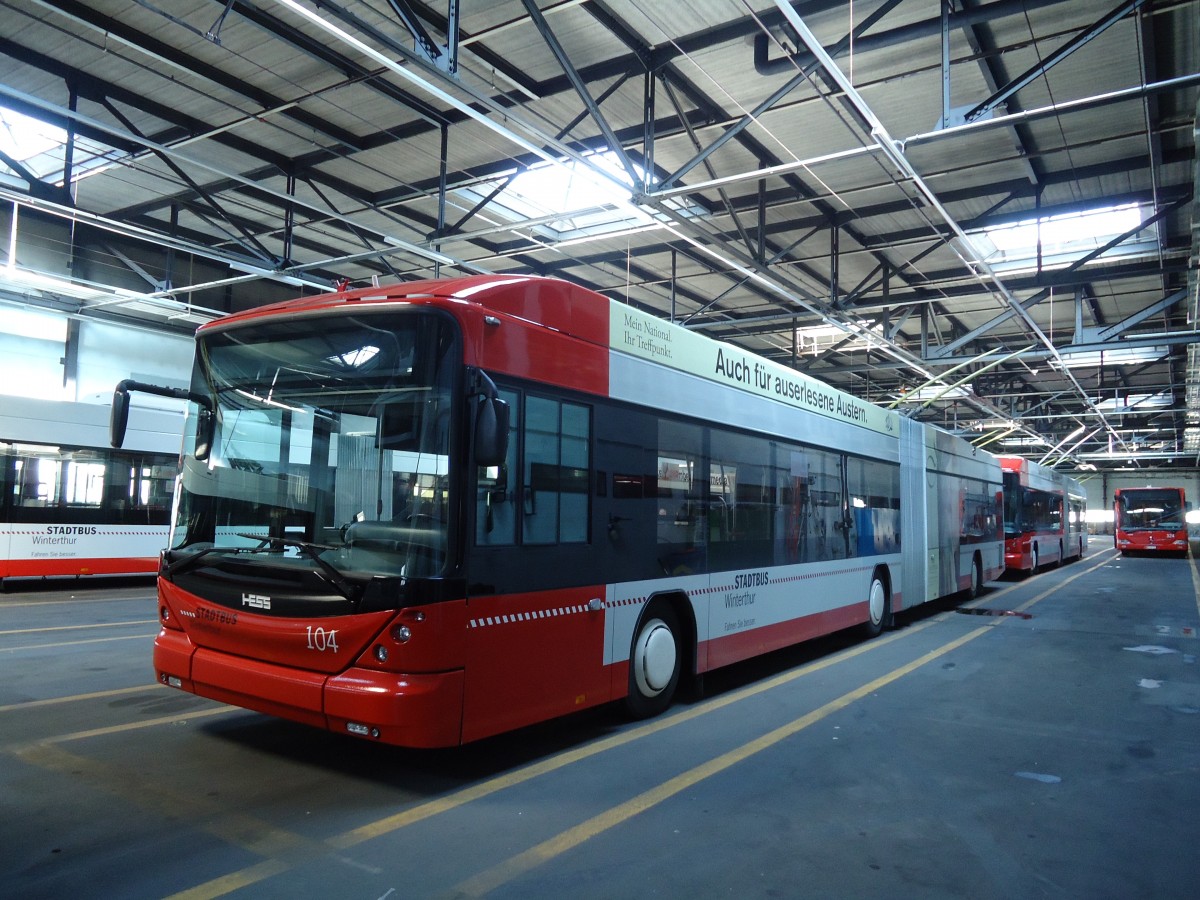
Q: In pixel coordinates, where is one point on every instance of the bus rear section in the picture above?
(1043, 516)
(1150, 520)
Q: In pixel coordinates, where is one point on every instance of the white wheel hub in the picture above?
(876, 602)
(654, 658)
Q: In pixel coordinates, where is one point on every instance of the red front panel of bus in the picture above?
(1156, 541)
(411, 695)
(534, 656)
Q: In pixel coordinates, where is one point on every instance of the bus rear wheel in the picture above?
(878, 607)
(654, 664)
(976, 578)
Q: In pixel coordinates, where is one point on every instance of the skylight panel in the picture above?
(357, 357)
(1063, 238)
(562, 201)
(23, 137)
(39, 148)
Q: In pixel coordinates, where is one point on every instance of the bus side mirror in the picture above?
(491, 431)
(118, 420)
(119, 417)
(206, 425)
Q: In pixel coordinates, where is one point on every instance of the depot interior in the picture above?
(981, 214)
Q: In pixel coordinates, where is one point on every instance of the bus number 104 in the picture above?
(321, 640)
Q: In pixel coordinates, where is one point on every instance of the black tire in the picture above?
(976, 578)
(655, 663)
(1033, 569)
(879, 605)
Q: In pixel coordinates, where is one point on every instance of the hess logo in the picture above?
(256, 601)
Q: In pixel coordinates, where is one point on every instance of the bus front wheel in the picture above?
(654, 664)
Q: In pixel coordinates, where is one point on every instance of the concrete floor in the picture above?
(960, 755)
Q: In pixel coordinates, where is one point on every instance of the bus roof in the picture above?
(550, 302)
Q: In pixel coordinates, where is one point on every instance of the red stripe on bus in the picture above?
(32, 568)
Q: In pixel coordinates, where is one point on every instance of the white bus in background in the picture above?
(70, 505)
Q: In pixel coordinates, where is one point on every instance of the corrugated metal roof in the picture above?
(320, 130)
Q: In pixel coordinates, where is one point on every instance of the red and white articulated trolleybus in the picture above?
(436, 511)
(1150, 520)
(1043, 516)
(72, 506)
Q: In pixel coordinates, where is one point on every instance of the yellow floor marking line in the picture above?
(150, 595)
(135, 726)
(76, 698)
(501, 874)
(506, 871)
(103, 640)
(1099, 564)
(283, 849)
(234, 881)
(1195, 579)
(269, 868)
(79, 627)
(218, 887)
(452, 801)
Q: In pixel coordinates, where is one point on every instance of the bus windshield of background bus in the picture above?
(329, 431)
(1151, 509)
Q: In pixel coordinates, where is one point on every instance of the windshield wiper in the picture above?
(186, 562)
(313, 552)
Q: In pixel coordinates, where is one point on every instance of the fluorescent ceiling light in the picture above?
(1118, 356)
(1025, 442)
(819, 337)
(932, 391)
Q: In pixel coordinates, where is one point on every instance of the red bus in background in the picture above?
(1150, 520)
(430, 512)
(1043, 516)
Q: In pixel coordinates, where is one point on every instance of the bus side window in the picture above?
(874, 489)
(682, 500)
(557, 493)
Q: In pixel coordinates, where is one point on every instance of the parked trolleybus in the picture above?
(69, 504)
(436, 511)
(1150, 520)
(1043, 516)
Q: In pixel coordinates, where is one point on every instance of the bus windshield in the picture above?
(1151, 509)
(328, 446)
